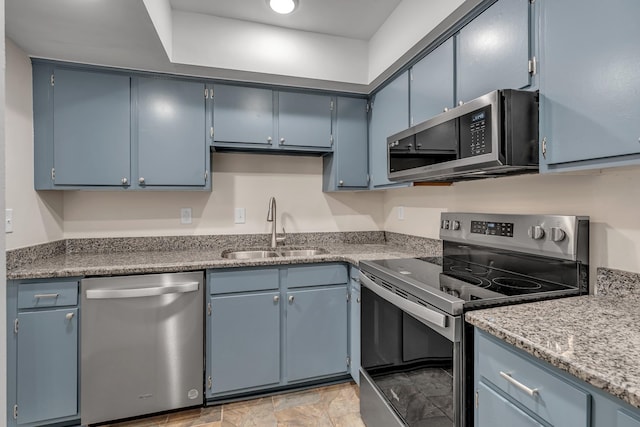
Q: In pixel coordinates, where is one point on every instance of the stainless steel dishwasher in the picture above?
(141, 345)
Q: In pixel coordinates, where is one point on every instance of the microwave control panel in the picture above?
(475, 133)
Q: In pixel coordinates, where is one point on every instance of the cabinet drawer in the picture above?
(231, 281)
(47, 294)
(316, 275)
(556, 401)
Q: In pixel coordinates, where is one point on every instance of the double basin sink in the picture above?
(270, 253)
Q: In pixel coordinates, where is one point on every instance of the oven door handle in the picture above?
(423, 313)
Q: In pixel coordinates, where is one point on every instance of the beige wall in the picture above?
(239, 180)
(37, 217)
(611, 198)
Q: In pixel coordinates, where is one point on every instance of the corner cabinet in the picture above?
(96, 129)
(42, 352)
(254, 119)
(493, 51)
(274, 327)
(389, 115)
(347, 168)
(589, 84)
(514, 388)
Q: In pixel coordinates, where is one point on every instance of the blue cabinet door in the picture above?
(494, 410)
(172, 143)
(242, 115)
(625, 420)
(244, 349)
(316, 336)
(493, 50)
(350, 151)
(589, 81)
(304, 120)
(389, 115)
(47, 359)
(354, 324)
(431, 86)
(91, 128)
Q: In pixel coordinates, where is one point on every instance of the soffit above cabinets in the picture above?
(341, 45)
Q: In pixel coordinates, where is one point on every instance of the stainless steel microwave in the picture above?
(493, 135)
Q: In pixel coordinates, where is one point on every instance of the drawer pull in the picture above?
(530, 391)
(43, 296)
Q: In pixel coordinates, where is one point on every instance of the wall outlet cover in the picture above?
(401, 213)
(239, 216)
(8, 221)
(185, 216)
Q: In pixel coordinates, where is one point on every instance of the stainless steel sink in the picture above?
(303, 252)
(249, 254)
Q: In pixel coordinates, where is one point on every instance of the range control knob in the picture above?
(445, 224)
(455, 225)
(557, 234)
(536, 232)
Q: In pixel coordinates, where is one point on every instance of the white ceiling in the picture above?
(358, 19)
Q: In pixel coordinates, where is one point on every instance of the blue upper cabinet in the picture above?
(589, 84)
(172, 137)
(493, 50)
(304, 120)
(247, 118)
(389, 115)
(90, 127)
(431, 86)
(243, 115)
(348, 167)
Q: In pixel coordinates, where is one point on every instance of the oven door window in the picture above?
(410, 364)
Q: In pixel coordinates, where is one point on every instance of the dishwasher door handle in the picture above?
(175, 288)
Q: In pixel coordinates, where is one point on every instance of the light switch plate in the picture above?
(239, 216)
(401, 213)
(185, 216)
(8, 221)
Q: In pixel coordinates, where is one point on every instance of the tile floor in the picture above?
(332, 406)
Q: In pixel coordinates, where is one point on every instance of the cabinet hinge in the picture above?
(533, 66)
(209, 382)
(544, 147)
(411, 74)
(53, 79)
(53, 174)
(411, 121)
(16, 325)
(206, 93)
(211, 93)
(15, 412)
(331, 106)
(206, 176)
(211, 132)
(532, 1)
(348, 361)
(368, 107)
(331, 139)
(209, 312)
(368, 178)
(477, 400)
(348, 296)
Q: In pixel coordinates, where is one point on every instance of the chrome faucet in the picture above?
(271, 217)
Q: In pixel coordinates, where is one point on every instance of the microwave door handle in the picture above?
(176, 288)
(416, 310)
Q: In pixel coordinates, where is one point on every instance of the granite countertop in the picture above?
(96, 261)
(595, 338)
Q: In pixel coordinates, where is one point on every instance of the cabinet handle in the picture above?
(43, 296)
(291, 299)
(281, 141)
(269, 139)
(69, 316)
(276, 298)
(141, 180)
(341, 183)
(125, 181)
(358, 300)
(530, 391)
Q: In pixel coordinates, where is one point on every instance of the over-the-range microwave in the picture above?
(493, 135)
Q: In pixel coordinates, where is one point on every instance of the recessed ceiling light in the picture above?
(283, 6)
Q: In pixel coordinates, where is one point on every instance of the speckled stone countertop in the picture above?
(595, 338)
(101, 257)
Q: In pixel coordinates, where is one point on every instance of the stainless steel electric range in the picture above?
(416, 351)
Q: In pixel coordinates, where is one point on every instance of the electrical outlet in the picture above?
(185, 216)
(239, 216)
(8, 221)
(401, 213)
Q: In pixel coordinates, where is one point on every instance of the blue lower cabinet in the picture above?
(316, 333)
(354, 324)
(498, 411)
(245, 341)
(625, 420)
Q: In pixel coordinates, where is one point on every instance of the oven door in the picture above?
(410, 361)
